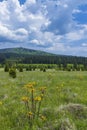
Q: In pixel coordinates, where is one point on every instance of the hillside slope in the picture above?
(26, 51)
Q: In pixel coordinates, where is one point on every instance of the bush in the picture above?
(30, 68)
(20, 69)
(44, 69)
(6, 68)
(27, 69)
(12, 72)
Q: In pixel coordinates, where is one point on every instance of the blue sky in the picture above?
(56, 26)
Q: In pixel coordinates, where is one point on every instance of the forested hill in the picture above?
(24, 51)
(27, 56)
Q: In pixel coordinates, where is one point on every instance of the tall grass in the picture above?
(64, 105)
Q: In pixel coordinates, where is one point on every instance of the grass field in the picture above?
(64, 104)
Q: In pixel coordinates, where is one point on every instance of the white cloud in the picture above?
(46, 24)
(73, 36)
(84, 44)
(21, 31)
(4, 12)
(30, 2)
(35, 41)
(76, 11)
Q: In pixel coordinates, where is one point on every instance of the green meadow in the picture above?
(64, 105)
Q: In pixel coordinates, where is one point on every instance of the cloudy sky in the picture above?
(57, 26)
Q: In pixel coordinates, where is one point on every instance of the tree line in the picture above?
(61, 60)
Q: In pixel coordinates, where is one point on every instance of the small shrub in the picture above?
(12, 72)
(30, 68)
(33, 67)
(27, 69)
(6, 68)
(20, 69)
(44, 69)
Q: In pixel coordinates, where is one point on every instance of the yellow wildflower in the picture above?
(29, 85)
(43, 118)
(42, 89)
(32, 90)
(25, 99)
(37, 98)
(30, 114)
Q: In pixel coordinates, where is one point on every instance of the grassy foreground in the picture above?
(64, 104)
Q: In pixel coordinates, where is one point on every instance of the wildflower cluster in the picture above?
(25, 99)
(33, 102)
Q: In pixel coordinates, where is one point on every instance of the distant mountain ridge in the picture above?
(20, 50)
(28, 56)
